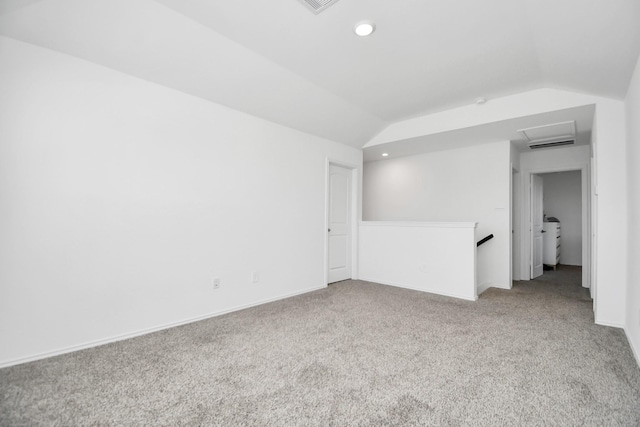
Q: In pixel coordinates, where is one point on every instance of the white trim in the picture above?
(609, 324)
(122, 337)
(515, 218)
(413, 288)
(593, 234)
(532, 232)
(586, 222)
(487, 285)
(484, 287)
(635, 351)
(418, 224)
(587, 218)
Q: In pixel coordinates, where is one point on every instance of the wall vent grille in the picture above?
(317, 6)
(549, 136)
(535, 145)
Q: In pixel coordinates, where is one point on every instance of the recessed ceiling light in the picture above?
(385, 154)
(481, 100)
(364, 29)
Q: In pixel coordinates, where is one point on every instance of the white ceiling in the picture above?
(277, 60)
(505, 130)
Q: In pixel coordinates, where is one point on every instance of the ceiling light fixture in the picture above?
(385, 154)
(364, 29)
(481, 100)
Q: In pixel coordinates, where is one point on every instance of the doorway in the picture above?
(340, 222)
(563, 203)
(574, 217)
(537, 215)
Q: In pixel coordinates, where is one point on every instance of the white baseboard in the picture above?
(635, 351)
(96, 343)
(414, 288)
(610, 324)
(483, 287)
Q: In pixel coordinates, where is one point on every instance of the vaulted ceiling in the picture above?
(277, 60)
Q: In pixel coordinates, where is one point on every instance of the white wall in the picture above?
(563, 200)
(121, 199)
(609, 174)
(611, 216)
(432, 257)
(466, 185)
(515, 204)
(554, 160)
(515, 157)
(632, 325)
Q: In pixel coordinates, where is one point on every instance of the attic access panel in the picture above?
(550, 133)
(317, 6)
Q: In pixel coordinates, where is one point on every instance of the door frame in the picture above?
(356, 173)
(531, 228)
(525, 234)
(515, 225)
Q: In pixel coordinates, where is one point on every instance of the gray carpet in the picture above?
(354, 354)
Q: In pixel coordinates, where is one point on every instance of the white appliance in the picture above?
(551, 244)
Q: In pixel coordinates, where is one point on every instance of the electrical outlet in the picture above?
(216, 282)
(255, 277)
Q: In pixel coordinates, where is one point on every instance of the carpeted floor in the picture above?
(354, 354)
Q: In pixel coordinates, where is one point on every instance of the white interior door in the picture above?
(536, 226)
(339, 240)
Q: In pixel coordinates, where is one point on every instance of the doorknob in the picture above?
(329, 230)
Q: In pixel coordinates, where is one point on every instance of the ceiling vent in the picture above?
(317, 6)
(534, 145)
(549, 136)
